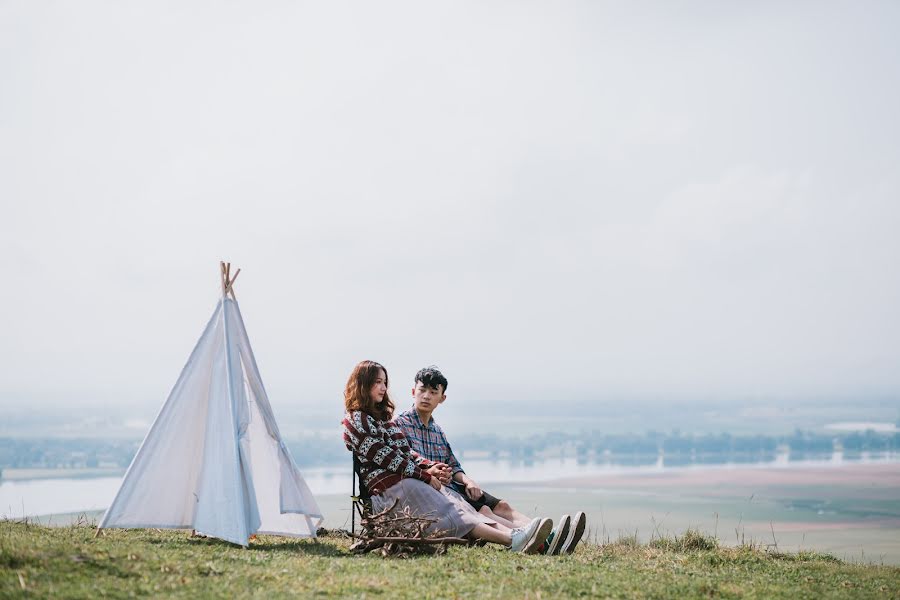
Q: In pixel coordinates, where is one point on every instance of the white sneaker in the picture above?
(521, 535)
(540, 536)
(559, 536)
(578, 524)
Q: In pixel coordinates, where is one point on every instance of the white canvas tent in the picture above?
(213, 460)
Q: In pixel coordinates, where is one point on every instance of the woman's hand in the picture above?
(435, 483)
(441, 471)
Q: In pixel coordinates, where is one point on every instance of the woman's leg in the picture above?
(486, 511)
(498, 534)
(450, 509)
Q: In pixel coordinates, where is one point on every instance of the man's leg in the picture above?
(499, 509)
(504, 510)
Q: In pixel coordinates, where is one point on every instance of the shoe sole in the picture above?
(540, 536)
(575, 535)
(560, 536)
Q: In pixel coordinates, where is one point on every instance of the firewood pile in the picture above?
(400, 533)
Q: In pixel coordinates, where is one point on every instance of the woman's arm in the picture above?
(362, 437)
(399, 440)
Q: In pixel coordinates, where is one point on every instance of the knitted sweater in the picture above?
(382, 450)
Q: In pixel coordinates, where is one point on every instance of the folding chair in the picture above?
(362, 502)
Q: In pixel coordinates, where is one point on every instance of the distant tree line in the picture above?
(64, 453)
(675, 444)
(320, 449)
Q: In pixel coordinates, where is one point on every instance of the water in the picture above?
(59, 496)
(863, 426)
(53, 496)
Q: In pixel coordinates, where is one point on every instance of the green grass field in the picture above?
(69, 562)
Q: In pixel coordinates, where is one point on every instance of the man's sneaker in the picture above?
(577, 530)
(521, 535)
(559, 535)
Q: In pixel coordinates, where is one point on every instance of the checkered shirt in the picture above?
(429, 440)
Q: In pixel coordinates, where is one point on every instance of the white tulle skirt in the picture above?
(455, 517)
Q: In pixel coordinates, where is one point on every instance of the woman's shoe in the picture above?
(540, 536)
(528, 539)
(521, 535)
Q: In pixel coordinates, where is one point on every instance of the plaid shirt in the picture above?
(428, 441)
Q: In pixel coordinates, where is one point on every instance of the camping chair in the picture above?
(362, 502)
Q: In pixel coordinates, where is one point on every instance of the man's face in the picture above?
(427, 398)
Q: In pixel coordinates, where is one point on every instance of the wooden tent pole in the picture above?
(227, 279)
(231, 284)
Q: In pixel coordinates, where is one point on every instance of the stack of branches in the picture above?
(400, 533)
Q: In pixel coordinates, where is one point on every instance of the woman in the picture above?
(391, 471)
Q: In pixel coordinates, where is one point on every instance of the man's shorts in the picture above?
(484, 500)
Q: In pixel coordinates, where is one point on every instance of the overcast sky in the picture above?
(590, 200)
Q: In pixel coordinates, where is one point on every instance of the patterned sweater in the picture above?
(382, 450)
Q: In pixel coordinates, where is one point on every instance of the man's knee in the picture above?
(503, 506)
(486, 511)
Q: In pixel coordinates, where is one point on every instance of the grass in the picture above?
(691, 541)
(69, 562)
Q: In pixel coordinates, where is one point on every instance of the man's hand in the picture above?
(473, 491)
(435, 483)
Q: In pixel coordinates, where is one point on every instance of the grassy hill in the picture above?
(37, 561)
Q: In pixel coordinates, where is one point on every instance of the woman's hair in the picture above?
(357, 393)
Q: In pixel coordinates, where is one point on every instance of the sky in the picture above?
(551, 201)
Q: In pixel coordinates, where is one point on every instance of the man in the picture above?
(427, 439)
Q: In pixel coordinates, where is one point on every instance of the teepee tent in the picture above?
(213, 460)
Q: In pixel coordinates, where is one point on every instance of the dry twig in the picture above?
(401, 533)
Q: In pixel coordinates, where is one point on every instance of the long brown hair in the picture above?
(357, 392)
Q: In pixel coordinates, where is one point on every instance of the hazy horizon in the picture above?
(585, 201)
(479, 416)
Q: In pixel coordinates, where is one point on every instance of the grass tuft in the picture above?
(626, 541)
(691, 541)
